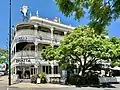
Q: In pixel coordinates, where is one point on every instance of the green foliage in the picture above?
(84, 80)
(48, 53)
(116, 50)
(73, 79)
(43, 77)
(83, 45)
(3, 55)
(101, 12)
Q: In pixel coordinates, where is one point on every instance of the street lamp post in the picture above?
(10, 42)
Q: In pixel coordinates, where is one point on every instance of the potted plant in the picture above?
(38, 80)
(34, 78)
(43, 78)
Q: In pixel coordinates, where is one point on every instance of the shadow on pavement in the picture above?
(104, 86)
(97, 86)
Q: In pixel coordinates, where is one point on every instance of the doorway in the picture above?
(27, 74)
(19, 73)
(33, 70)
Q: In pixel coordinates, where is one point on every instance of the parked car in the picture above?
(2, 73)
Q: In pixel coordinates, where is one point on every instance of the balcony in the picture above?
(25, 32)
(45, 35)
(24, 54)
(31, 32)
(58, 37)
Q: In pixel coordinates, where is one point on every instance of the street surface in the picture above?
(29, 86)
(3, 83)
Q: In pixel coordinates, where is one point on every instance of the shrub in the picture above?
(83, 80)
(43, 77)
(73, 79)
(92, 80)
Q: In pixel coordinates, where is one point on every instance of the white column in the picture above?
(15, 70)
(36, 55)
(41, 68)
(52, 38)
(65, 32)
(36, 27)
(36, 43)
(52, 67)
(36, 47)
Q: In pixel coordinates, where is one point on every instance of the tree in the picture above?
(101, 12)
(48, 53)
(3, 55)
(116, 57)
(83, 46)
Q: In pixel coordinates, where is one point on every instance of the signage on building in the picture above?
(22, 39)
(22, 60)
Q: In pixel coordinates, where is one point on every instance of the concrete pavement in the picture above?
(3, 83)
(47, 85)
(4, 79)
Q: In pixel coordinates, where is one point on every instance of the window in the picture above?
(31, 71)
(47, 70)
(43, 69)
(32, 48)
(55, 69)
(34, 71)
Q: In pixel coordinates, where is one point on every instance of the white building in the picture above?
(28, 40)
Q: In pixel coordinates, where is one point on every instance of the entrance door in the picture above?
(33, 70)
(27, 74)
(19, 73)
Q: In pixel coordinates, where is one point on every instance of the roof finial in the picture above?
(30, 14)
(37, 13)
(59, 20)
(55, 19)
(24, 11)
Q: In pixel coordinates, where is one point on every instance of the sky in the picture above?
(47, 9)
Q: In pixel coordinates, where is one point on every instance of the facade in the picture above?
(29, 39)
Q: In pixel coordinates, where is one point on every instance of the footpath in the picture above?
(4, 79)
(47, 85)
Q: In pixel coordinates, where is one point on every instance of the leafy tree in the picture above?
(116, 57)
(48, 53)
(101, 12)
(83, 46)
(3, 55)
